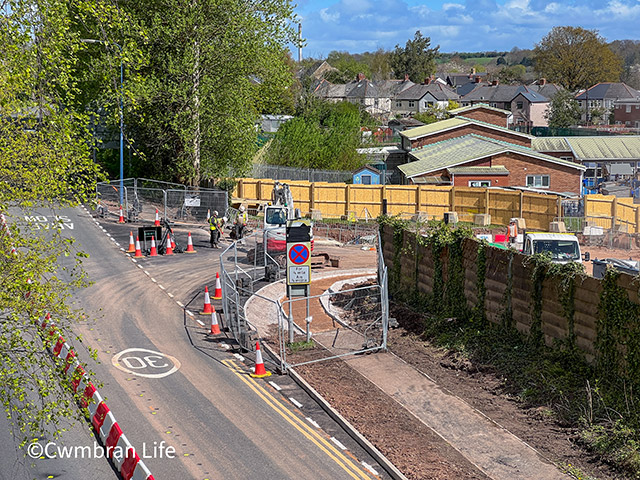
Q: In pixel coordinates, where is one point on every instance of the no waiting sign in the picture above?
(298, 263)
(299, 254)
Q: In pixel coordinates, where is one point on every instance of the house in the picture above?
(474, 160)
(316, 71)
(600, 99)
(494, 95)
(367, 175)
(422, 97)
(456, 127)
(529, 109)
(397, 125)
(484, 113)
(455, 80)
(626, 111)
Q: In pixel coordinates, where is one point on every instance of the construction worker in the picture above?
(512, 231)
(214, 229)
(240, 222)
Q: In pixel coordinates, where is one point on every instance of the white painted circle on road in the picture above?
(145, 363)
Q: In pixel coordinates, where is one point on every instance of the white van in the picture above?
(563, 247)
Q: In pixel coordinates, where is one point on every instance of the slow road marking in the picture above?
(145, 363)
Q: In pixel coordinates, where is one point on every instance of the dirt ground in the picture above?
(417, 451)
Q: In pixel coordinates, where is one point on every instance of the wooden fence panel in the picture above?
(331, 199)
(504, 205)
(434, 201)
(366, 200)
(401, 199)
(539, 210)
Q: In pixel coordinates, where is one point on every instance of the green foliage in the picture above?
(45, 165)
(479, 311)
(617, 442)
(348, 67)
(564, 110)
(512, 74)
(416, 59)
(576, 58)
(324, 135)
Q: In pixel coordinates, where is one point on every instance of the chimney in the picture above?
(360, 77)
(494, 83)
(477, 79)
(406, 77)
(542, 81)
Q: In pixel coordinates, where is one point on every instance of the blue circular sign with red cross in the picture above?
(299, 254)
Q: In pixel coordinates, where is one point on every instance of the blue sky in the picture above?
(456, 25)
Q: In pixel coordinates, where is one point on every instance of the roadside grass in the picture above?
(558, 379)
(299, 346)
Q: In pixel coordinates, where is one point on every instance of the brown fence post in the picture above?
(452, 199)
(521, 203)
(348, 199)
(418, 196)
(259, 190)
(486, 201)
(614, 213)
(312, 196)
(637, 219)
(240, 188)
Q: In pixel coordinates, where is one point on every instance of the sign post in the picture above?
(298, 265)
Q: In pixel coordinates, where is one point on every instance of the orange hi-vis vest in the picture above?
(512, 230)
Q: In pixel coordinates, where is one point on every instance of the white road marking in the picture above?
(108, 234)
(275, 385)
(147, 273)
(170, 295)
(140, 266)
(180, 303)
(239, 357)
(119, 245)
(161, 287)
(312, 422)
(134, 260)
(200, 322)
(138, 359)
(224, 345)
(339, 445)
(295, 402)
(369, 467)
(154, 280)
(190, 313)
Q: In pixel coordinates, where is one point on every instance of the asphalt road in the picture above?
(222, 423)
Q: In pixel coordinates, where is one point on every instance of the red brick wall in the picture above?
(620, 115)
(488, 116)
(496, 180)
(468, 129)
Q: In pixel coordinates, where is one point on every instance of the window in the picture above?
(398, 104)
(412, 104)
(519, 105)
(568, 159)
(365, 179)
(628, 110)
(479, 183)
(538, 181)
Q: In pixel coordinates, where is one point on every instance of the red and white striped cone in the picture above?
(217, 294)
(190, 245)
(259, 371)
(168, 249)
(154, 250)
(138, 250)
(207, 302)
(132, 245)
(215, 328)
(157, 222)
(173, 244)
(121, 219)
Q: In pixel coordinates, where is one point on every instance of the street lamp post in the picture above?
(89, 40)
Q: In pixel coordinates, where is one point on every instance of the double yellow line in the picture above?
(353, 469)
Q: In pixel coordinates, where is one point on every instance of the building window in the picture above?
(398, 104)
(412, 104)
(365, 179)
(479, 183)
(538, 181)
(519, 105)
(628, 110)
(568, 159)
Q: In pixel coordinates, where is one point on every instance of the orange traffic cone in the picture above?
(215, 328)
(217, 294)
(157, 222)
(132, 245)
(173, 244)
(207, 302)
(190, 245)
(138, 250)
(259, 371)
(121, 219)
(154, 250)
(169, 249)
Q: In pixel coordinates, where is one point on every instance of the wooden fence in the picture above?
(336, 200)
(610, 212)
(420, 276)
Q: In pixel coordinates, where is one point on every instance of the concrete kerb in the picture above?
(325, 299)
(389, 467)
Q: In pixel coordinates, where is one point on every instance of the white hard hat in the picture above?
(215, 212)
(242, 208)
(224, 219)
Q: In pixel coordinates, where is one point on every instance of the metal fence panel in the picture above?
(276, 172)
(192, 205)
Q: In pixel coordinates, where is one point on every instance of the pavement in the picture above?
(490, 447)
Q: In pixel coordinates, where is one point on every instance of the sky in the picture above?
(358, 26)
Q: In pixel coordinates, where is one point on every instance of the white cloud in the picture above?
(452, 6)
(329, 17)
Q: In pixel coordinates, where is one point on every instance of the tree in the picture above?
(563, 111)
(576, 58)
(416, 59)
(44, 164)
(323, 135)
(213, 67)
(512, 74)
